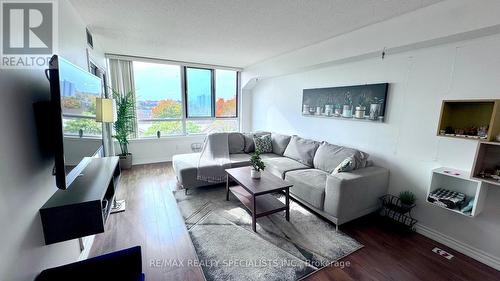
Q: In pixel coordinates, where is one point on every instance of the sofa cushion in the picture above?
(308, 185)
(302, 150)
(186, 170)
(279, 166)
(236, 143)
(279, 143)
(239, 160)
(329, 156)
(263, 144)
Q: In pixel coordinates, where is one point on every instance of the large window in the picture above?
(159, 99)
(181, 100)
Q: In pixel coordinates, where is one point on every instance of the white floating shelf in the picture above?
(459, 181)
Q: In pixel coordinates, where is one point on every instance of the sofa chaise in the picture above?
(312, 168)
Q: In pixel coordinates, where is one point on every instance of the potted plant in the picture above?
(361, 108)
(257, 165)
(347, 110)
(407, 199)
(375, 106)
(124, 125)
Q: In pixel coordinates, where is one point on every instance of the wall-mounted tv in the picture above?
(73, 96)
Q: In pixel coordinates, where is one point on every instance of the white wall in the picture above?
(26, 180)
(159, 150)
(407, 143)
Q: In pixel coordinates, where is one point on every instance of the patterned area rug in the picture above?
(228, 249)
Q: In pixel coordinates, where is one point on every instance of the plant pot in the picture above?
(360, 112)
(374, 111)
(338, 112)
(347, 111)
(126, 161)
(254, 174)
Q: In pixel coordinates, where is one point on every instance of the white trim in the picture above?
(458, 246)
(167, 61)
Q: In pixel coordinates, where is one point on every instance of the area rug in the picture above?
(228, 249)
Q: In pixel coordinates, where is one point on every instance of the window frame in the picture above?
(212, 92)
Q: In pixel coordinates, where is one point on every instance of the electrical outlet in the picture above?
(442, 253)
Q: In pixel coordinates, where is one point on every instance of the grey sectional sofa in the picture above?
(309, 165)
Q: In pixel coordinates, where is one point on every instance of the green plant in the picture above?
(256, 161)
(125, 116)
(407, 198)
(347, 98)
(362, 100)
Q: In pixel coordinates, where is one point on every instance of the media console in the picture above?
(84, 207)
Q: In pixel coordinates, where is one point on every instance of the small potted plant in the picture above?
(257, 165)
(361, 108)
(407, 199)
(124, 125)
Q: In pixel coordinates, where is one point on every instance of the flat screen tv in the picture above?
(72, 102)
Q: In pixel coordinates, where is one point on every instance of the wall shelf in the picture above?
(487, 162)
(84, 207)
(459, 115)
(460, 181)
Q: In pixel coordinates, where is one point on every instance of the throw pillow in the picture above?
(236, 143)
(249, 144)
(329, 156)
(263, 144)
(280, 143)
(347, 165)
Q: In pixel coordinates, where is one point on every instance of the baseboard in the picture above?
(460, 247)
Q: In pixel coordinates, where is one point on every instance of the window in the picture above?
(199, 92)
(159, 99)
(176, 99)
(225, 93)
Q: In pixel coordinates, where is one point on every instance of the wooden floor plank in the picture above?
(153, 221)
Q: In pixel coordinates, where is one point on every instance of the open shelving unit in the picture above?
(463, 114)
(460, 181)
(487, 162)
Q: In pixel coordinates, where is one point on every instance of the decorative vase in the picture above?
(360, 112)
(305, 109)
(347, 111)
(338, 112)
(318, 110)
(254, 174)
(374, 111)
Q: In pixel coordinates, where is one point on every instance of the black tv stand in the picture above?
(84, 207)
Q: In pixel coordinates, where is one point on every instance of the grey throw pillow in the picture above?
(280, 142)
(263, 144)
(236, 143)
(329, 156)
(302, 150)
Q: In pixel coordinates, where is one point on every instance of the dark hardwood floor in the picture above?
(153, 221)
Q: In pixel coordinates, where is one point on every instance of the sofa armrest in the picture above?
(121, 265)
(356, 193)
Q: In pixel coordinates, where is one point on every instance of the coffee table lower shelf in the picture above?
(265, 204)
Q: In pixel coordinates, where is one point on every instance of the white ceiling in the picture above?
(228, 32)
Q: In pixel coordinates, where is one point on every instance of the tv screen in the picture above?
(77, 135)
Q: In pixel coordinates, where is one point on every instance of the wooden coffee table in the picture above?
(255, 193)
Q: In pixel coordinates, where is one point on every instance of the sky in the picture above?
(160, 81)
